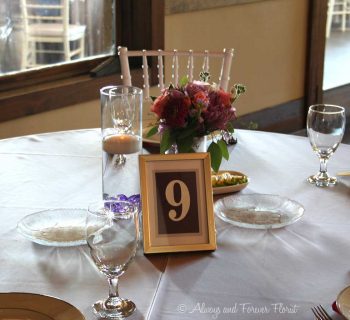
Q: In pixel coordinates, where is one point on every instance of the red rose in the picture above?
(224, 97)
(201, 99)
(220, 97)
(177, 109)
(160, 103)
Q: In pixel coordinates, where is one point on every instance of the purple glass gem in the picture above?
(120, 208)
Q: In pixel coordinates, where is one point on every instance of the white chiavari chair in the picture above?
(223, 79)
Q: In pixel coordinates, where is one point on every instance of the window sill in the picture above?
(183, 6)
(56, 94)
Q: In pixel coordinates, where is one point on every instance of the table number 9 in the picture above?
(184, 200)
(177, 203)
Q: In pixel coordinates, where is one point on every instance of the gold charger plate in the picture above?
(31, 306)
(232, 188)
(343, 302)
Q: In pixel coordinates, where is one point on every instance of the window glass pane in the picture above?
(40, 33)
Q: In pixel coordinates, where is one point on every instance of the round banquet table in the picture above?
(253, 274)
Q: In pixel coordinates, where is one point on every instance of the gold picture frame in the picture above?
(177, 203)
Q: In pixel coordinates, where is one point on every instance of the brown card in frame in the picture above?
(177, 203)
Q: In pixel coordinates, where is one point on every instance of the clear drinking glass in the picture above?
(325, 129)
(121, 115)
(112, 235)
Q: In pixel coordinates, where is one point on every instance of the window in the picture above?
(39, 33)
(137, 24)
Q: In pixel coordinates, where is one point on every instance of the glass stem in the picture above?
(113, 287)
(323, 165)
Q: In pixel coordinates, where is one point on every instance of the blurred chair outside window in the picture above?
(338, 15)
(51, 32)
(5, 31)
(46, 23)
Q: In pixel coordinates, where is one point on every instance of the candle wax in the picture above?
(122, 144)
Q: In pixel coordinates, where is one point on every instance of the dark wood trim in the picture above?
(339, 96)
(316, 43)
(290, 117)
(284, 118)
(36, 77)
(145, 24)
(46, 98)
(157, 31)
(144, 32)
(183, 6)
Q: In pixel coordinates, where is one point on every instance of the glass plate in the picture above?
(24, 306)
(343, 302)
(258, 211)
(55, 227)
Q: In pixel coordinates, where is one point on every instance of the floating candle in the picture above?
(122, 144)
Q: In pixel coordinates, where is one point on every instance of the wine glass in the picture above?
(325, 129)
(112, 235)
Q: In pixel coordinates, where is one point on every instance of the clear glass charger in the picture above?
(258, 211)
(55, 227)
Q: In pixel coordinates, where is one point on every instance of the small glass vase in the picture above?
(199, 145)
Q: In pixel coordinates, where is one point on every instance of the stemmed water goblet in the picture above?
(112, 236)
(325, 129)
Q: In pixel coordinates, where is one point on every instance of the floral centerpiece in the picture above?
(193, 110)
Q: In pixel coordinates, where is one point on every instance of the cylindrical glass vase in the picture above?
(121, 124)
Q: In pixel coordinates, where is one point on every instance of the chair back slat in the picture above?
(190, 66)
(145, 75)
(175, 68)
(225, 69)
(205, 66)
(124, 65)
(160, 71)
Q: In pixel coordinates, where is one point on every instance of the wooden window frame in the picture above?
(316, 45)
(139, 25)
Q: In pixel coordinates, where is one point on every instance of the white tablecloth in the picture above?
(254, 274)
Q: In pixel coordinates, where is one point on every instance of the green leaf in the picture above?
(185, 145)
(153, 98)
(184, 133)
(229, 127)
(166, 141)
(224, 151)
(183, 81)
(152, 131)
(204, 76)
(215, 155)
